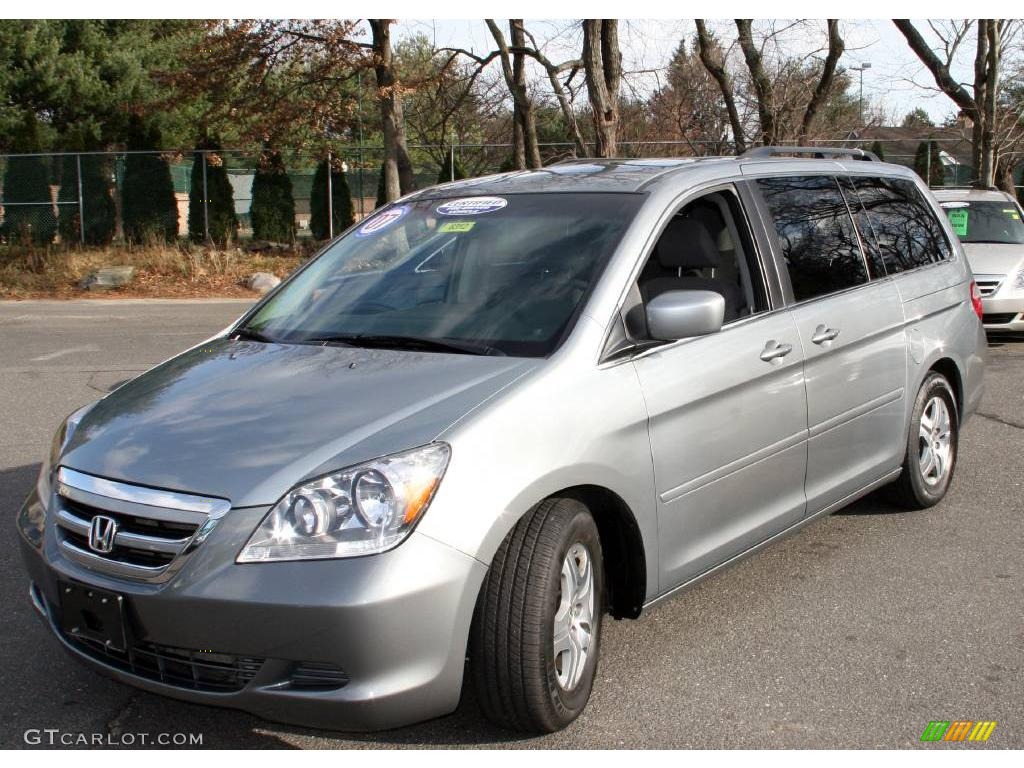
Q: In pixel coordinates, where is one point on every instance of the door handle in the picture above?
(773, 351)
(823, 333)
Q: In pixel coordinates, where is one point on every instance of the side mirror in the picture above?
(681, 314)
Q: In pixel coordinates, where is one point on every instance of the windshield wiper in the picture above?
(251, 334)
(408, 342)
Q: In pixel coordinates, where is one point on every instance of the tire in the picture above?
(922, 484)
(520, 682)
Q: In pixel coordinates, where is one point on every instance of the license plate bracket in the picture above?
(93, 614)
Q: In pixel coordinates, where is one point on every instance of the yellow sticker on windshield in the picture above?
(456, 226)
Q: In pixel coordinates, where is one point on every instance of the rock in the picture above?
(106, 278)
(261, 282)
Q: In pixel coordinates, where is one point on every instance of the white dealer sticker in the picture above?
(471, 206)
(382, 220)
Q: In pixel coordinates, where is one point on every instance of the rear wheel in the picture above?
(932, 446)
(535, 637)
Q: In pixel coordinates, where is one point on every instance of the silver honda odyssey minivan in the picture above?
(495, 412)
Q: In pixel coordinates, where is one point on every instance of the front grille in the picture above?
(196, 670)
(998, 318)
(152, 530)
(312, 675)
(988, 284)
(139, 541)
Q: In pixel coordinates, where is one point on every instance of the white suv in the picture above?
(990, 225)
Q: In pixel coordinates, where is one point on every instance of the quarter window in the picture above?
(818, 239)
(906, 229)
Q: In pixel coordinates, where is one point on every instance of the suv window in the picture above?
(707, 246)
(876, 264)
(906, 229)
(818, 239)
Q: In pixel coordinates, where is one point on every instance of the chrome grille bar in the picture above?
(154, 530)
(74, 523)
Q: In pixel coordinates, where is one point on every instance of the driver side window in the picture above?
(707, 246)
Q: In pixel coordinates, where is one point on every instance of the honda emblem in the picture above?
(101, 534)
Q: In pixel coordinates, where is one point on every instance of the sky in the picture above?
(647, 45)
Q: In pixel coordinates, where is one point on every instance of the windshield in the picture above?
(487, 275)
(989, 221)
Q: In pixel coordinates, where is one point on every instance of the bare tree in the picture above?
(602, 65)
(836, 46)
(398, 178)
(712, 57)
(979, 104)
(554, 71)
(791, 94)
(764, 88)
(525, 150)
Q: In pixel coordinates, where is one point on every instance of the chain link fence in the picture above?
(96, 197)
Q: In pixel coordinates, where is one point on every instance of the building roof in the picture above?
(900, 144)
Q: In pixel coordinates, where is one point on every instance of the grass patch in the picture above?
(165, 271)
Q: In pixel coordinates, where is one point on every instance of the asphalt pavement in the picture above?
(855, 632)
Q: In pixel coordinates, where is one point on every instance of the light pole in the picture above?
(860, 101)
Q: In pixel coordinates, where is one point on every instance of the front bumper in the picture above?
(1003, 313)
(396, 623)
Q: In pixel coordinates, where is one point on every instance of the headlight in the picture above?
(32, 517)
(60, 441)
(361, 510)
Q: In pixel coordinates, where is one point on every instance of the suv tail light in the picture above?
(976, 300)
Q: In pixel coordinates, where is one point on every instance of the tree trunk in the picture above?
(990, 28)
(980, 107)
(716, 68)
(1004, 176)
(980, 87)
(836, 46)
(525, 150)
(763, 89)
(528, 123)
(568, 113)
(518, 142)
(398, 178)
(602, 65)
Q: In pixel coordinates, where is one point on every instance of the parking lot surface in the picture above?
(855, 632)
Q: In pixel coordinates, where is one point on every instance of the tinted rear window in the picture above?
(905, 227)
(818, 239)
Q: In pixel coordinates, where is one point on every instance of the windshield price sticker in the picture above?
(382, 220)
(958, 218)
(471, 206)
(456, 226)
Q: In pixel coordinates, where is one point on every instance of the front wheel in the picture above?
(536, 633)
(931, 446)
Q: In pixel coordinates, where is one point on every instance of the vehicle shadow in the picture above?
(875, 503)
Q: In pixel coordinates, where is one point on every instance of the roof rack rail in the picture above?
(829, 152)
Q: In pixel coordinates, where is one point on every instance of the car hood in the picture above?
(246, 421)
(994, 258)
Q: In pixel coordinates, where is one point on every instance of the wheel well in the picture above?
(951, 371)
(625, 564)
